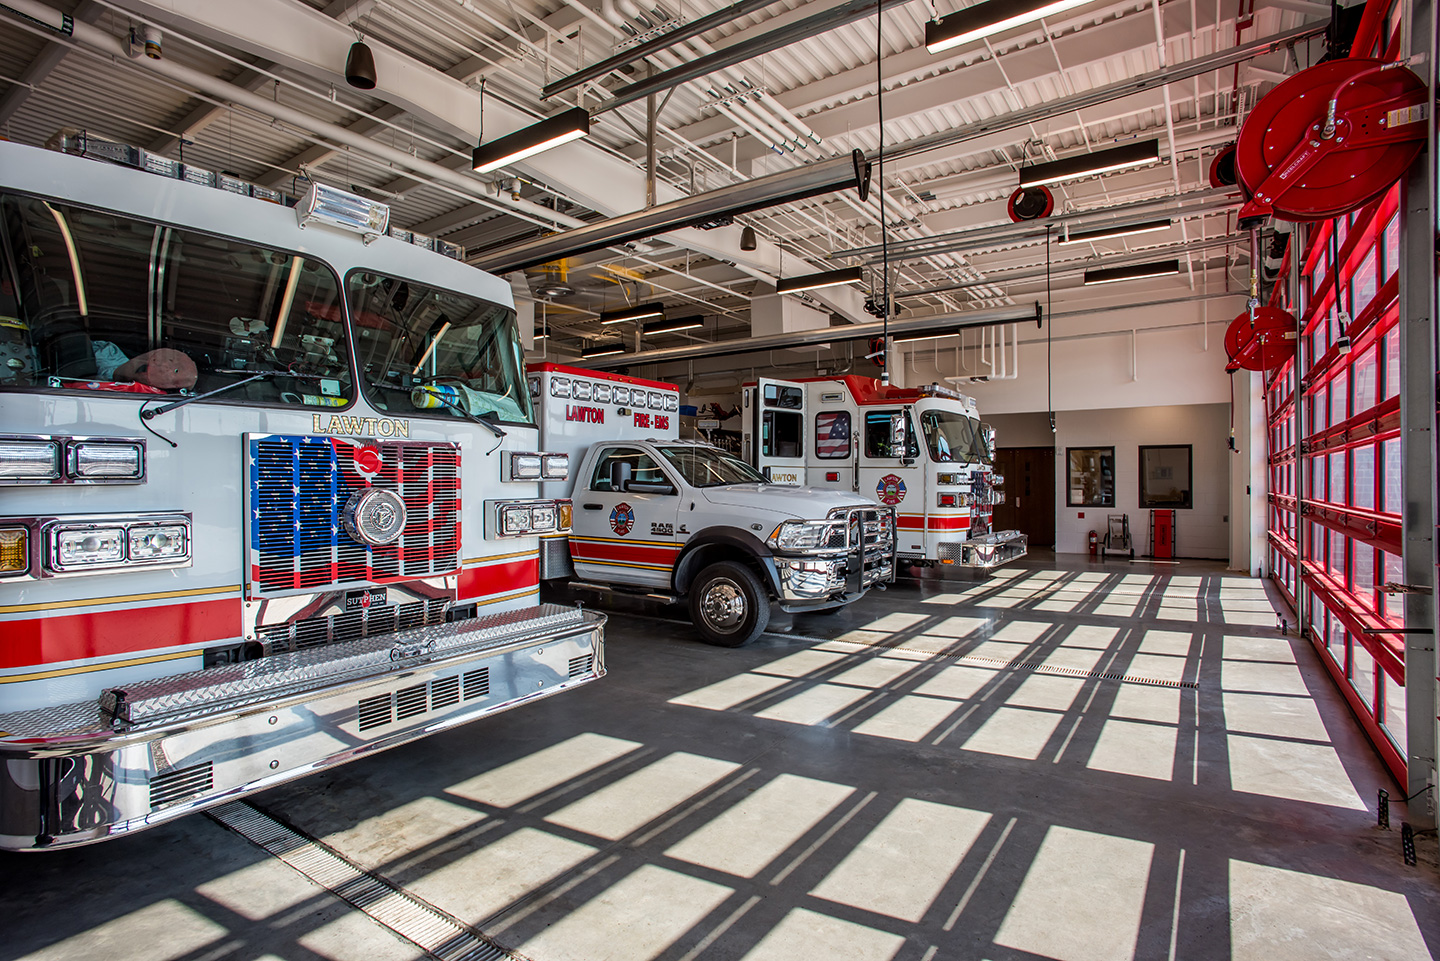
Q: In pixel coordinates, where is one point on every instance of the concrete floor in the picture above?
(933, 773)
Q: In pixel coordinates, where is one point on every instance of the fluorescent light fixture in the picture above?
(638, 312)
(329, 205)
(910, 336)
(1113, 275)
(1137, 153)
(826, 278)
(600, 350)
(564, 127)
(986, 19)
(671, 325)
(1086, 235)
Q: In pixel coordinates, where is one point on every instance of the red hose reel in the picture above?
(1330, 139)
(1262, 342)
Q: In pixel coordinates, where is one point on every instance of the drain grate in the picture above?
(422, 924)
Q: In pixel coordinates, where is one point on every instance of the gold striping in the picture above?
(119, 599)
(508, 597)
(89, 668)
(500, 557)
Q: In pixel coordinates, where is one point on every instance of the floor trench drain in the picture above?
(438, 934)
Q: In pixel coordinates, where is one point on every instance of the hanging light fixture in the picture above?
(989, 18)
(563, 127)
(1137, 153)
(747, 238)
(601, 350)
(825, 278)
(1113, 275)
(1113, 230)
(360, 66)
(672, 324)
(638, 312)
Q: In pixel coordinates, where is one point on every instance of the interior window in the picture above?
(643, 469)
(877, 435)
(782, 434)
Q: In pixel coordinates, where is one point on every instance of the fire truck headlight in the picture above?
(555, 466)
(947, 478)
(14, 551)
(84, 546)
(153, 543)
(515, 520)
(106, 460)
(542, 519)
(27, 461)
(523, 467)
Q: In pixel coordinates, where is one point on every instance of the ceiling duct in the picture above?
(940, 323)
(784, 187)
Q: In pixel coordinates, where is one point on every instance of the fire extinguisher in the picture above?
(1094, 543)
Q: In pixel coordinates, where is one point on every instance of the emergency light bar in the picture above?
(339, 208)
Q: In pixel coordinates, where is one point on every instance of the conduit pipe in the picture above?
(113, 46)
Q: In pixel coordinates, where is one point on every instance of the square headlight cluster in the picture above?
(71, 460)
(73, 544)
(535, 466)
(523, 518)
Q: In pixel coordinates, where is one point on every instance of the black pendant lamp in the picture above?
(360, 66)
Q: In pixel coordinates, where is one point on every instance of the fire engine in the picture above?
(681, 520)
(853, 433)
(271, 493)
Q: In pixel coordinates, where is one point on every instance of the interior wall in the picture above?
(1202, 530)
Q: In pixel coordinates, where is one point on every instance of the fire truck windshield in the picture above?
(953, 438)
(427, 350)
(98, 301)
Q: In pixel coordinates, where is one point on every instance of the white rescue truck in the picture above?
(270, 494)
(852, 433)
(680, 519)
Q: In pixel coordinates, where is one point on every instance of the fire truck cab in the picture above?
(923, 452)
(270, 487)
(683, 520)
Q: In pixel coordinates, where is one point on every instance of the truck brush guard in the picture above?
(158, 749)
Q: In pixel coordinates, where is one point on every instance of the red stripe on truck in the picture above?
(478, 582)
(68, 637)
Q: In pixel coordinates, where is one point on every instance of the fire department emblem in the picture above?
(367, 461)
(890, 489)
(622, 519)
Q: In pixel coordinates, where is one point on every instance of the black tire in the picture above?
(728, 606)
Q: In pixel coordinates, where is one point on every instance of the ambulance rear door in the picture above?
(776, 430)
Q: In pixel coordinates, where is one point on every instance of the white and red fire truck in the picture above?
(853, 433)
(270, 493)
(683, 520)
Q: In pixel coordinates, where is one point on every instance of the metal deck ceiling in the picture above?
(825, 84)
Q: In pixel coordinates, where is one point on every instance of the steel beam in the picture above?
(1417, 445)
(45, 61)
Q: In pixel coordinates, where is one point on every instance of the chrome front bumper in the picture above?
(990, 550)
(79, 773)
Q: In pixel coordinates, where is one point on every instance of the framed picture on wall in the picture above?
(1165, 472)
(1090, 476)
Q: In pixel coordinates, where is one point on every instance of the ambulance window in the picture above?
(877, 435)
(786, 398)
(832, 434)
(643, 469)
(782, 434)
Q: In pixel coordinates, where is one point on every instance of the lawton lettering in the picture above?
(359, 426)
(589, 415)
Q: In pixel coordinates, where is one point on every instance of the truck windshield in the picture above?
(420, 347)
(710, 466)
(953, 438)
(94, 300)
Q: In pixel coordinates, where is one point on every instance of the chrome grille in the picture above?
(298, 488)
(580, 666)
(442, 692)
(318, 631)
(180, 784)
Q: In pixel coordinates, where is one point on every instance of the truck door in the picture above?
(623, 530)
(777, 428)
(892, 472)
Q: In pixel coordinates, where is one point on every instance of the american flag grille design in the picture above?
(300, 485)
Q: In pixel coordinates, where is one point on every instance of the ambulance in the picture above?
(922, 452)
(269, 493)
(683, 521)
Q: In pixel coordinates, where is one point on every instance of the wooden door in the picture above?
(1029, 505)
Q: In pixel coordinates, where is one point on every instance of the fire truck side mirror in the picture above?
(897, 434)
(620, 476)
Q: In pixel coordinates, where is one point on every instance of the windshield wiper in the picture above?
(151, 413)
(448, 403)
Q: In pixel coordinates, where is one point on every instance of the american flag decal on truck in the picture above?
(299, 485)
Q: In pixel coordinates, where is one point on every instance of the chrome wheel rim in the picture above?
(723, 605)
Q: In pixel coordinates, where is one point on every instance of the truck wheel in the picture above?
(728, 605)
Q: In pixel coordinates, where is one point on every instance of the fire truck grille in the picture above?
(299, 487)
(383, 709)
(319, 631)
(180, 784)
